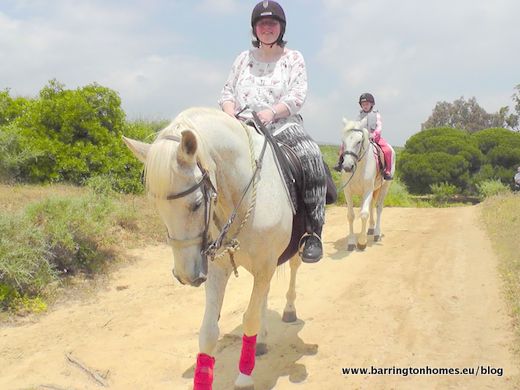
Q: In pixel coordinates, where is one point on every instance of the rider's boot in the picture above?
(312, 248)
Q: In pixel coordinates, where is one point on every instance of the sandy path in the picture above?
(428, 295)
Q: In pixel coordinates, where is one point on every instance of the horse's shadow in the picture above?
(285, 348)
(340, 247)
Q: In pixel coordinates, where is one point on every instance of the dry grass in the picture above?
(135, 224)
(501, 215)
(147, 227)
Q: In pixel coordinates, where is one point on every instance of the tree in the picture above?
(513, 119)
(501, 150)
(440, 155)
(71, 135)
(465, 115)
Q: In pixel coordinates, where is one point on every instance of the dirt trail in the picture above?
(428, 295)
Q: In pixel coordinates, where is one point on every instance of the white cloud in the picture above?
(409, 54)
(413, 54)
(218, 7)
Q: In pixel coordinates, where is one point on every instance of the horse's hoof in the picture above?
(261, 349)
(361, 247)
(377, 238)
(244, 382)
(370, 231)
(289, 316)
(351, 247)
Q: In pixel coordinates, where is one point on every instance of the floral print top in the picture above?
(260, 85)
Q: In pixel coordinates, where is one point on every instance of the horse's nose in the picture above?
(348, 167)
(176, 277)
(197, 282)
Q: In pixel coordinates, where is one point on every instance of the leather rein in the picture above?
(358, 156)
(208, 247)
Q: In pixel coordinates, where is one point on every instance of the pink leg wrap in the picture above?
(247, 357)
(203, 378)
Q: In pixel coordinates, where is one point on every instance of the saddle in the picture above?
(379, 156)
(291, 170)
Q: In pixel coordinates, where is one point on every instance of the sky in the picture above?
(163, 56)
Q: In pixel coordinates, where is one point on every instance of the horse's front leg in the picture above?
(289, 313)
(371, 221)
(366, 201)
(261, 345)
(379, 204)
(351, 238)
(218, 277)
(251, 325)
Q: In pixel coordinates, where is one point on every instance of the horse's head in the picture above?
(183, 194)
(355, 140)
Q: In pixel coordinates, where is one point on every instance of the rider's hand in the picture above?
(229, 108)
(266, 116)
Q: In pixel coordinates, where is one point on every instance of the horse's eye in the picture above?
(195, 206)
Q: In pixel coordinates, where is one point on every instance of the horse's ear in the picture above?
(138, 148)
(188, 147)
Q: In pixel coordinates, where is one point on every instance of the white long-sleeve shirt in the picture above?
(260, 85)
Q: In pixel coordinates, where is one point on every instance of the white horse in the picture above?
(361, 176)
(197, 171)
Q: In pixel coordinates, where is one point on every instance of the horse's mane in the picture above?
(161, 162)
(354, 125)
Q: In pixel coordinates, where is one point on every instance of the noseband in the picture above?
(358, 156)
(209, 248)
(210, 195)
(362, 149)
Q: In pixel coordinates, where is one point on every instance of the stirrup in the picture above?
(301, 246)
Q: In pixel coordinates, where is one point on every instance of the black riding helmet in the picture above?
(268, 9)
(367, 97)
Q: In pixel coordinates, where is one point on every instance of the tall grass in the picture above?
(58, 236)
(501, 216)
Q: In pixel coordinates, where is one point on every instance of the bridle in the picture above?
(210, 196)
(208, 247)
(361, 151)
(357, 156)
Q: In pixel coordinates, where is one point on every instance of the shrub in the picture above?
(72, 135)
(398, 195)
(441, 155)
(75, 231)
(491, 188)
(24, 259)
(442, 192)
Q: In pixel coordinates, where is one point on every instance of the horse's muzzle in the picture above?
(194, 282)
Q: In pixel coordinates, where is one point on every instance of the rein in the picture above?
(358, 158)
(210, 195)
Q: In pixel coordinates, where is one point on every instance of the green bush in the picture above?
(143, 130)
(75, 231)
(57, 237)
(420, 171)
(24, 258)
(398, 195)
(442, 192)
(14, 157)
(491, 188)
(468, 159)
(70, 136)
